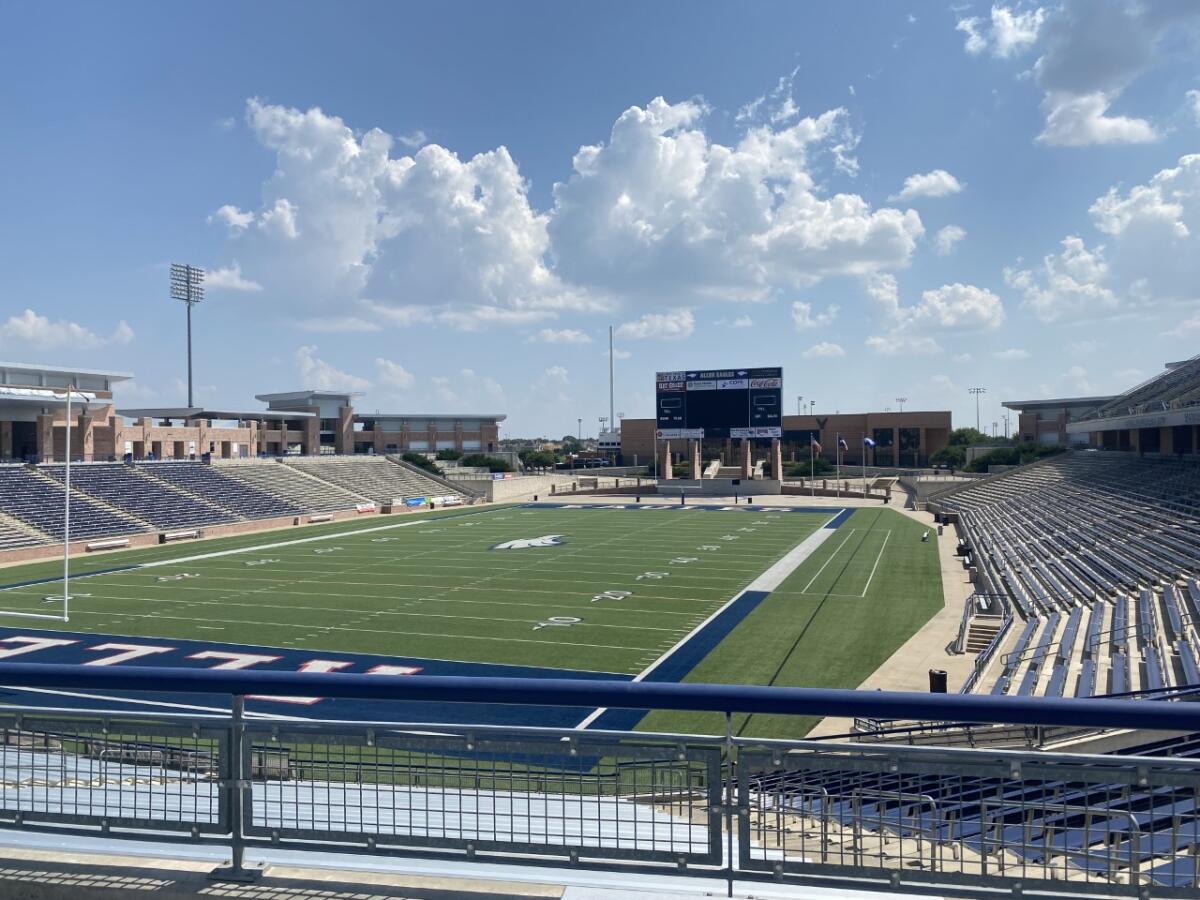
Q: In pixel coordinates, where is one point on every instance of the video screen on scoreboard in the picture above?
(720, 403)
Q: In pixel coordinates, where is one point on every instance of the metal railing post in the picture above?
(237, 785)
(729, 764)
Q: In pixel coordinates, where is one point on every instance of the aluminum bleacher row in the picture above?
(112, 499)
(374, 477)
(1116, 831)
(1098, 553)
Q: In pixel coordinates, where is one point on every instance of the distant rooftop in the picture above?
(200, 412)
(1059, 401)
(38, 368)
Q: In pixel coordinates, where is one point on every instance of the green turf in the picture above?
(437, 589)
(818, 629)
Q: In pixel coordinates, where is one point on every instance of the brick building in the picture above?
(33, 423)
(901, 438)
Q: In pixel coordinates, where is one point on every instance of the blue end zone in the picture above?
(85, 648)
(665, 504)
(839, 518)
(677, 666)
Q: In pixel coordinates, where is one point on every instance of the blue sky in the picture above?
(445, 206)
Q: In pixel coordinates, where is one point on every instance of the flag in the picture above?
(814, 443)
(842, 444)
(868, 442)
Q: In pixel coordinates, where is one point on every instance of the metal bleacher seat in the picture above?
(31, 498)
(148, 499)
(211, 483)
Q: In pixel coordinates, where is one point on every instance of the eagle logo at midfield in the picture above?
(546, 540)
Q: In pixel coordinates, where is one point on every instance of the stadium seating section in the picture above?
(1109, 830)
(112, 499)
(1097, 554)
(373, 477)
(1176, 388)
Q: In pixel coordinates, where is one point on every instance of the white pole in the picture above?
(837, 468)
(864, 459)
(812, 467)
(67, 515)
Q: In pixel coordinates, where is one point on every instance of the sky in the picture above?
(444, 207)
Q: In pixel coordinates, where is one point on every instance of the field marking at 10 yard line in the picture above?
(887, 536)
(768, 581)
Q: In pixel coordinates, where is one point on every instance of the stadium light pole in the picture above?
(799, 406)
(580, 421)
(977, 391)
(900, 401)
(187, 284)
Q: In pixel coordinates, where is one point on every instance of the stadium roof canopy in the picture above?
(491, 417)
(1172, 397)
(199, 412)
(12, 372)
(1058, 403)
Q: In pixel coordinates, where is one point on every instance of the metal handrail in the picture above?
(606, 693)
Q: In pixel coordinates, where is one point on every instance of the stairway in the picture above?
(980, 634)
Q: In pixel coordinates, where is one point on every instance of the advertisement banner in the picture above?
(415, 501)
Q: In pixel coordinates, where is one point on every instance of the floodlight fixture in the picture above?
(187, 284)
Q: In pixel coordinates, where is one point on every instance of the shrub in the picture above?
(422, 461)
(449, 455)
(482, 461)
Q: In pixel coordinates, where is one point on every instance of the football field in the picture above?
(751, 595)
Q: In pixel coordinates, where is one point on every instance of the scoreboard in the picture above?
(720, 403)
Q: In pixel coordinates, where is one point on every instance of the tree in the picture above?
(965, 437)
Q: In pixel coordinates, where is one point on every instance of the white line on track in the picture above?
(877, 559)
(828, 561)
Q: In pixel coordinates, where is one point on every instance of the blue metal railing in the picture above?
(568, 692)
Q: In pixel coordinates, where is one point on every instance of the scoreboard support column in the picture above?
(747, 461)
(694, 457)
(777, 459)
(664, 462)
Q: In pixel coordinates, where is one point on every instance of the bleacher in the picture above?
(1098, 553)
(14, 536)
(1176, 388)
(211, 483)
(290, 485)
(142, 497)
(373, 477)
(36, 500)
(1116, 830)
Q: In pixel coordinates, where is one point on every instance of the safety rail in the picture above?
(958, 822)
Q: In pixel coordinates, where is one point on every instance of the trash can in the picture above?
(937, 681)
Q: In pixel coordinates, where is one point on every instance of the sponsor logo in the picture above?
(546, 540)
(766, 382)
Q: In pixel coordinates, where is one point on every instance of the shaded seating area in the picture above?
(211, 483)
(141, 496)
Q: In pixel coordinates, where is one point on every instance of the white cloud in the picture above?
(1081, 120)
(417, 139)
(1076, 378)
(394, 375)
(883, 289)
(234, 219)
(802, 315)
(1090, 52)
(1007, 33)
(1188, 328)
(337, 324)
(947, 237)
(561, 336)
(673, 325)
(1193, 98)
(319, 375)
(958, 306)
(962, 358)
(1151, 254)
(30, 330)
(901, 344)
(1085, 347)
(1011, 355)
(742, 322)
(230, 278)
(823, 350)
(557, 374)
(662, 211)
(1070, 284)
(938, 183)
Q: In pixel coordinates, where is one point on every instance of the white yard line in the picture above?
(767, 581)
(886, 537)
(828, 561)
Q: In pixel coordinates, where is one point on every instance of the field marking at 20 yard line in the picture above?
(768, 581)
(871, 577)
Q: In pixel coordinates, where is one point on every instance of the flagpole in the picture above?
(812, 468)
(837, 468)
(67, 513)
